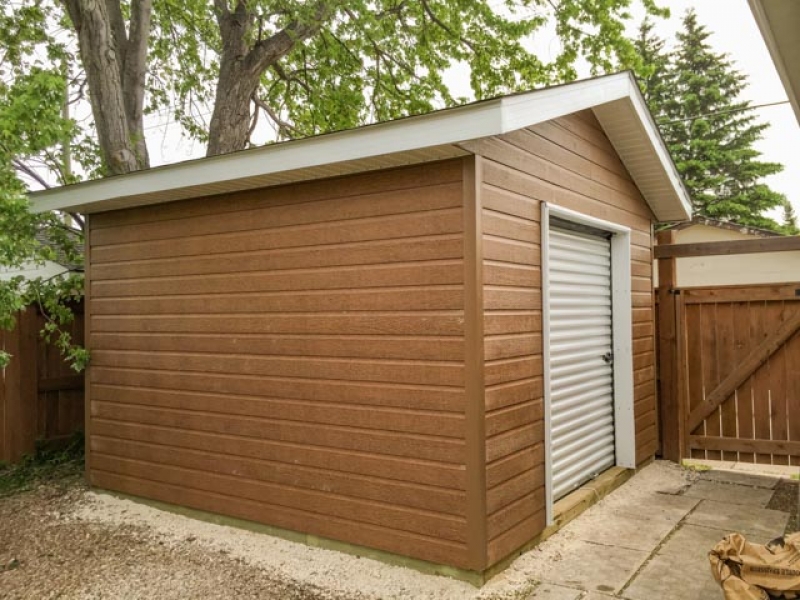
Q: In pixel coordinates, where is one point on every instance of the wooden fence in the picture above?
(729, 362)
(41, 398)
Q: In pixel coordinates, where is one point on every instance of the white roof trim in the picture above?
(404, 141)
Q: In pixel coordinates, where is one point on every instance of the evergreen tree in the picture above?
(694, 94)
(655, 70)
(789, 226)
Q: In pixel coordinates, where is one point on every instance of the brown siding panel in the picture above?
(568, 162)
(294, 356)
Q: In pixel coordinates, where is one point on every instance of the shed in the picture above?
(412, 337)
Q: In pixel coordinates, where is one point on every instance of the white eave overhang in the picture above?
(779, 22)
(615, 100)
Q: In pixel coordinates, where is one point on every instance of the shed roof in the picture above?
(615, 100)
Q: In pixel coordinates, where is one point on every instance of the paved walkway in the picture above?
(649, 540)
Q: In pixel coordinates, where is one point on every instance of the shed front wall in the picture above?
(292, 356)
(568, 162)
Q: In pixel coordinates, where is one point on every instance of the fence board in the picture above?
(777, 389)
(711, 375)
(793, 393)
(727, 349)
(744, 395)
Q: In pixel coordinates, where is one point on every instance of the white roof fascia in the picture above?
(438, 129)
(554, 102)
(435, 129)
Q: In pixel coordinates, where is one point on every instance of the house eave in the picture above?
(779, 21)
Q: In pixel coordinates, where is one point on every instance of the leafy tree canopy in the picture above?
(79, 77)
(695, 95)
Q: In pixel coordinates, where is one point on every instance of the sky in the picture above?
(734, 31)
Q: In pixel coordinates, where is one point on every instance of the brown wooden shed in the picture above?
(411, 336)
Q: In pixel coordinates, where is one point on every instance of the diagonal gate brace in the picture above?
(743, 370)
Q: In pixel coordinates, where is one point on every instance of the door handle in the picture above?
(608, 357)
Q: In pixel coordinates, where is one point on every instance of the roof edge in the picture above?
(361, 149)
(761, 16)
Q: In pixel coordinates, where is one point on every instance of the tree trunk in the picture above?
(229, 129)
(101, 62)
(133, 76)
(241, 67)
(115, 65)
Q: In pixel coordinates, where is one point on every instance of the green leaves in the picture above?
(694, 94)
(379, 59)
(33, 92)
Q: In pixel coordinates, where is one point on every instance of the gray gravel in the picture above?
(72, 543)
(44, 554)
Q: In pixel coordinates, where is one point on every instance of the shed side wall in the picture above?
(568, 162)
(293, 356)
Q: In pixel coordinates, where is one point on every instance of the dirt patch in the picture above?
(44, 555)
(787, 499)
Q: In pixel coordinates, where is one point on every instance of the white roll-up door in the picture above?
(580, 358)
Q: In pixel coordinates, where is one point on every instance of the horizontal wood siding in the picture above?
(567, 162)
(293, 356)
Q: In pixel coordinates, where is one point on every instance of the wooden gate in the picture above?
(729, 364)
(41, 398)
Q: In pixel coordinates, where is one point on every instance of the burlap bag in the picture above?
(754, 572)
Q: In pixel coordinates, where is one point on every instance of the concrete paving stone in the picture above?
(547, 591)
(759, 525)
(597, 596)
(692, 543)
(729, 494)
(660, 506)
(740, 478)
(633, 531)
(595, 567)
(676, 578)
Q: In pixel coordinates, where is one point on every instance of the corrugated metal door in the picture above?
(580, 357)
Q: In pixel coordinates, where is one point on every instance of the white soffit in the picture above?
(615, 100)
(779, 22)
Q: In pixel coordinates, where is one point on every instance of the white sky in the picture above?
(734, 31)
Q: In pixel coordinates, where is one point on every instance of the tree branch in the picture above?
(23, 168)
(118, 30)
(268, 51)
(442, 25)
(79, 220)
(282, 125)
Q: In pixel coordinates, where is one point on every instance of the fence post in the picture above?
(671, 409)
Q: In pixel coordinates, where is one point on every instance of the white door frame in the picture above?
(622, 332)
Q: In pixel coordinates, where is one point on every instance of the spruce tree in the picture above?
(694, 94)
(789, 226)
(655, 69)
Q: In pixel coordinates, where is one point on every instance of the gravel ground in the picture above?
(787, 499)
(44, 553)
(68, 542)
